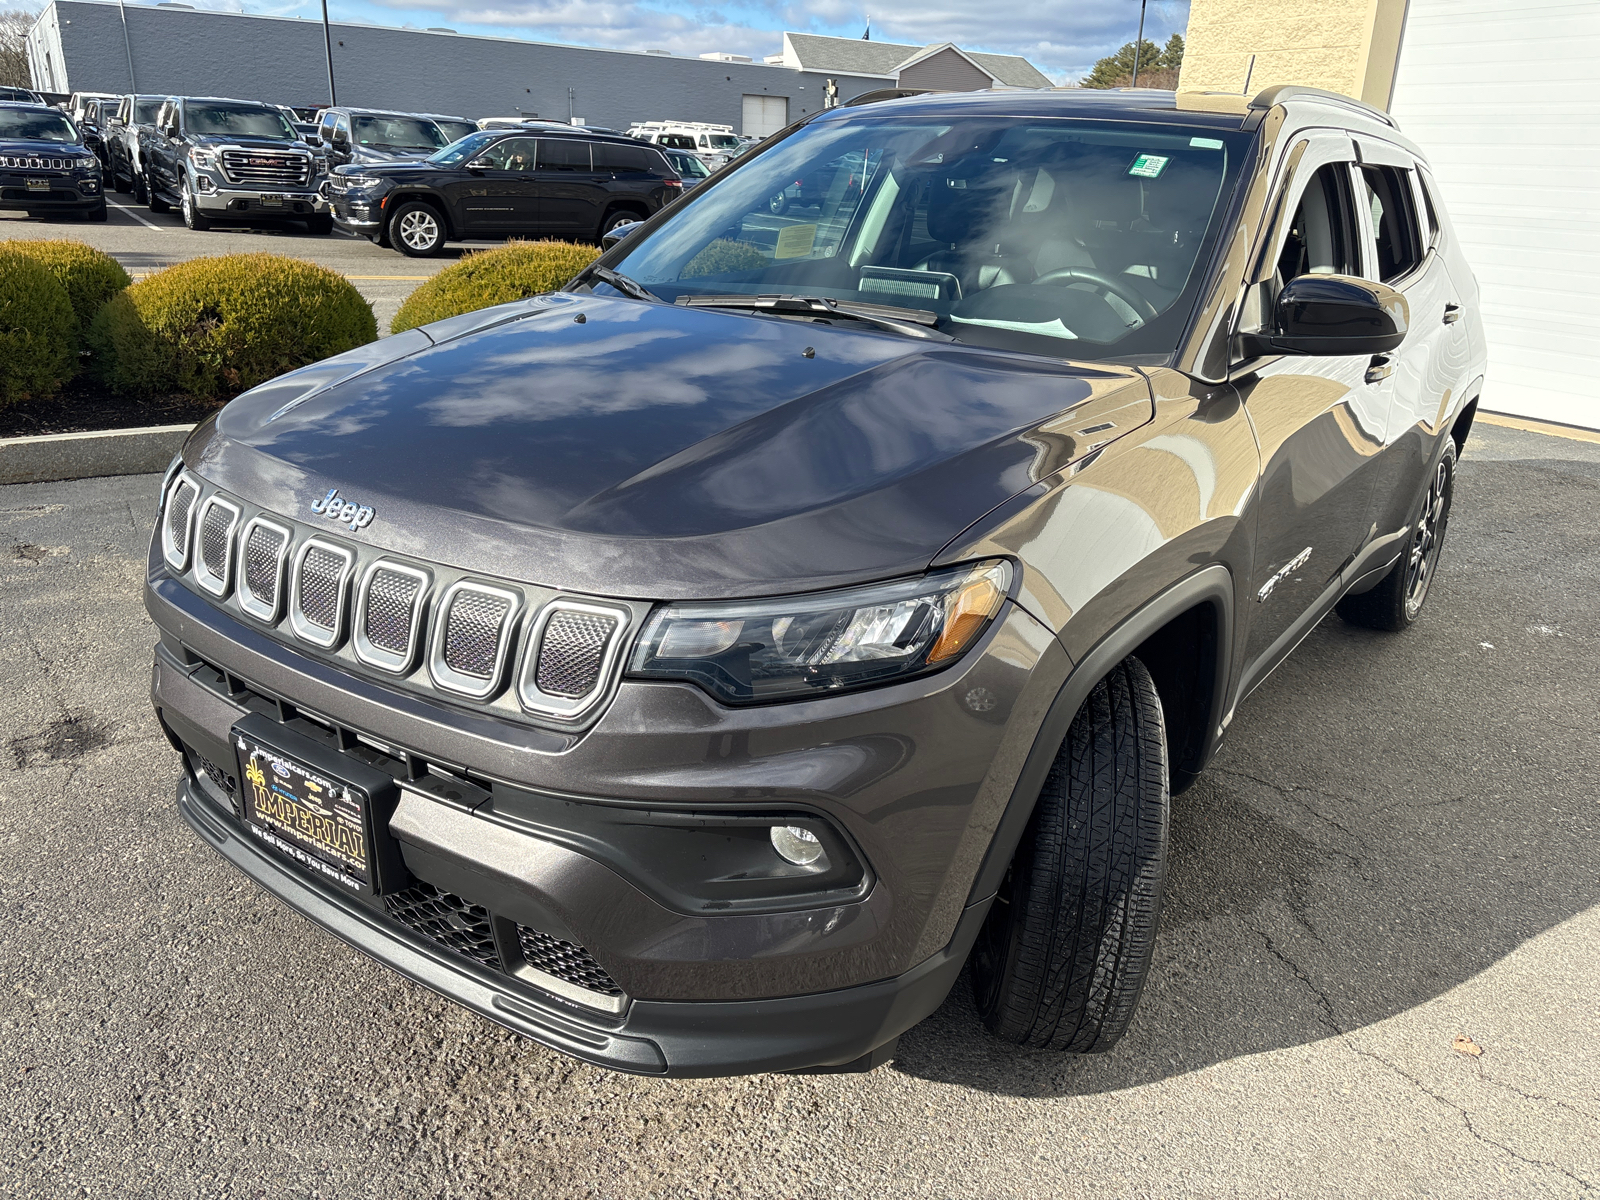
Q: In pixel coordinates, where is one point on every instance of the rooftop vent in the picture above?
(719, 56)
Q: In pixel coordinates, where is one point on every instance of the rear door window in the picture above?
(1396, 243)
(563, 154)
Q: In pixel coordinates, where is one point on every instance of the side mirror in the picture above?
(313, 140)
(1332, 315)
(613, 236)
(341, 139)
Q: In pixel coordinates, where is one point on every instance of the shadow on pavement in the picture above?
(1391, 815)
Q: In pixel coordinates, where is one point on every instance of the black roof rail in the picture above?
(1279, 93)
(873, 97)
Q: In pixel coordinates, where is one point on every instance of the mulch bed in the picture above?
(83, 407)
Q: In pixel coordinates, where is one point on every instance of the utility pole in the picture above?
(127, 46)
(327, 41)
(1138, 43)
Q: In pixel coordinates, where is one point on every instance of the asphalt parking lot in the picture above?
(143, 241)
(1399, 847)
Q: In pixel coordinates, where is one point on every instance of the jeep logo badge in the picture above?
(336, 508)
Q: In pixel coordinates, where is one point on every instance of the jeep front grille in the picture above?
(565, 961)
(570, 652)
(471, 637)
(387, 615)
(281, 168)
(218, 520)
(320, 584)
(180, 508)
(265, 545)
(22, 163)
(447, 919)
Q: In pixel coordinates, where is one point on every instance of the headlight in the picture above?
(359, 182)
(205, 160)
(751, 651)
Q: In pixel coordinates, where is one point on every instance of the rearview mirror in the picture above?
(1332, 315)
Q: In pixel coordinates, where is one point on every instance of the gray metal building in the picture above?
(91, 45)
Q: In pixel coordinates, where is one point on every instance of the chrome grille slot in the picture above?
(555, 962)
(261, 578)
(320, 585)
(572, 650)
(570, 653)
(282, 168)
(471, 636)
(179, 523)
(213, 566)
(389, 615)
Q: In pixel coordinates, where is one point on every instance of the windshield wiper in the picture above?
(911, 322)
(623, 284)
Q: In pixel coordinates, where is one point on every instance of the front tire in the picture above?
(417, 230)
(141, 192)
(97, 213)
(192, 216)
(1066, 947)
(1396, 602)
(616, 220)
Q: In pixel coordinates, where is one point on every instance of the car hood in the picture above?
(630, 449)
(264, 143)
(369, 156)
(39, 149)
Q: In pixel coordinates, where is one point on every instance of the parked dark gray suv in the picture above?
(693, 669)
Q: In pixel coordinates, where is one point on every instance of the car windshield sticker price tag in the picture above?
(795, 241)
(1148, 166)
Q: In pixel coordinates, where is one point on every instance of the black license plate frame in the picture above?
(315, 809)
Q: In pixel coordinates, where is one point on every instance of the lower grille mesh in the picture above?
(570, 653)
(472, 634)
(390, 597)
(321, 577)
(567, 961)
(262, 551)
(447, 919)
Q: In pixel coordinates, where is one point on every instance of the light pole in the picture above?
(327, 41)
(1138, 42)
(127, 45)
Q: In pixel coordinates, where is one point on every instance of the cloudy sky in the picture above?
(1062, 40)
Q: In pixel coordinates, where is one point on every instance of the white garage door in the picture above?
(1503, 97)
(765, 114)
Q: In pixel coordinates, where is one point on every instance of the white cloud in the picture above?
(1063, 41)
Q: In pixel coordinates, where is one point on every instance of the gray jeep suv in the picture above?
(694, 668)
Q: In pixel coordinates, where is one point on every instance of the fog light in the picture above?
(796, 845)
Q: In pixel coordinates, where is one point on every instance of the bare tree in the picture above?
(14, 26)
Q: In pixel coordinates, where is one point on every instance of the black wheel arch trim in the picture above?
(1211, 585)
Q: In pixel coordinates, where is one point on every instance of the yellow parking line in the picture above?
(1571, 432)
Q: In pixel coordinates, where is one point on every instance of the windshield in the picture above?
(455, 130)
(688, 164)
(24, 126)
(144, 111)
(398, 133)
(460, 151)
(1065, 237)
(237, 120)
(722, 141)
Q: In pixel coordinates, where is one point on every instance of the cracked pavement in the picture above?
(1399, 844)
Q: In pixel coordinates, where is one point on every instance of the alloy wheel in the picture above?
(1427, 539)
(419, 230)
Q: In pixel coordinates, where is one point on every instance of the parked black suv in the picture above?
(500, 183)
(232, 161)
(695, 668)
(45, 168)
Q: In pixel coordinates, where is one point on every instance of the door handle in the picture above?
(1452, 313)
(1381, 367)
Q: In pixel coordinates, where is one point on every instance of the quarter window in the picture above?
(1394, 228)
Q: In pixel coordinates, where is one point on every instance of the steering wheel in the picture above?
(1119, 288)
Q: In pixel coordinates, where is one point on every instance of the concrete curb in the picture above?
(56, 456)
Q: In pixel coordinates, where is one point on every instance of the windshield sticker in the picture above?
(1205, 143)
(795, 241)
(1148, 166)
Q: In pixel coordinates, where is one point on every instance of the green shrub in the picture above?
(511, 272)
(723, 257)
(90, 276)
(38, 333)
(213, 327)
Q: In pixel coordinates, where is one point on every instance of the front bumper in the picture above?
(358, 214)
(915, 775)
(248, 202)
(64, 195)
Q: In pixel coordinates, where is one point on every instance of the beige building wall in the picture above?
(1347, 46)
